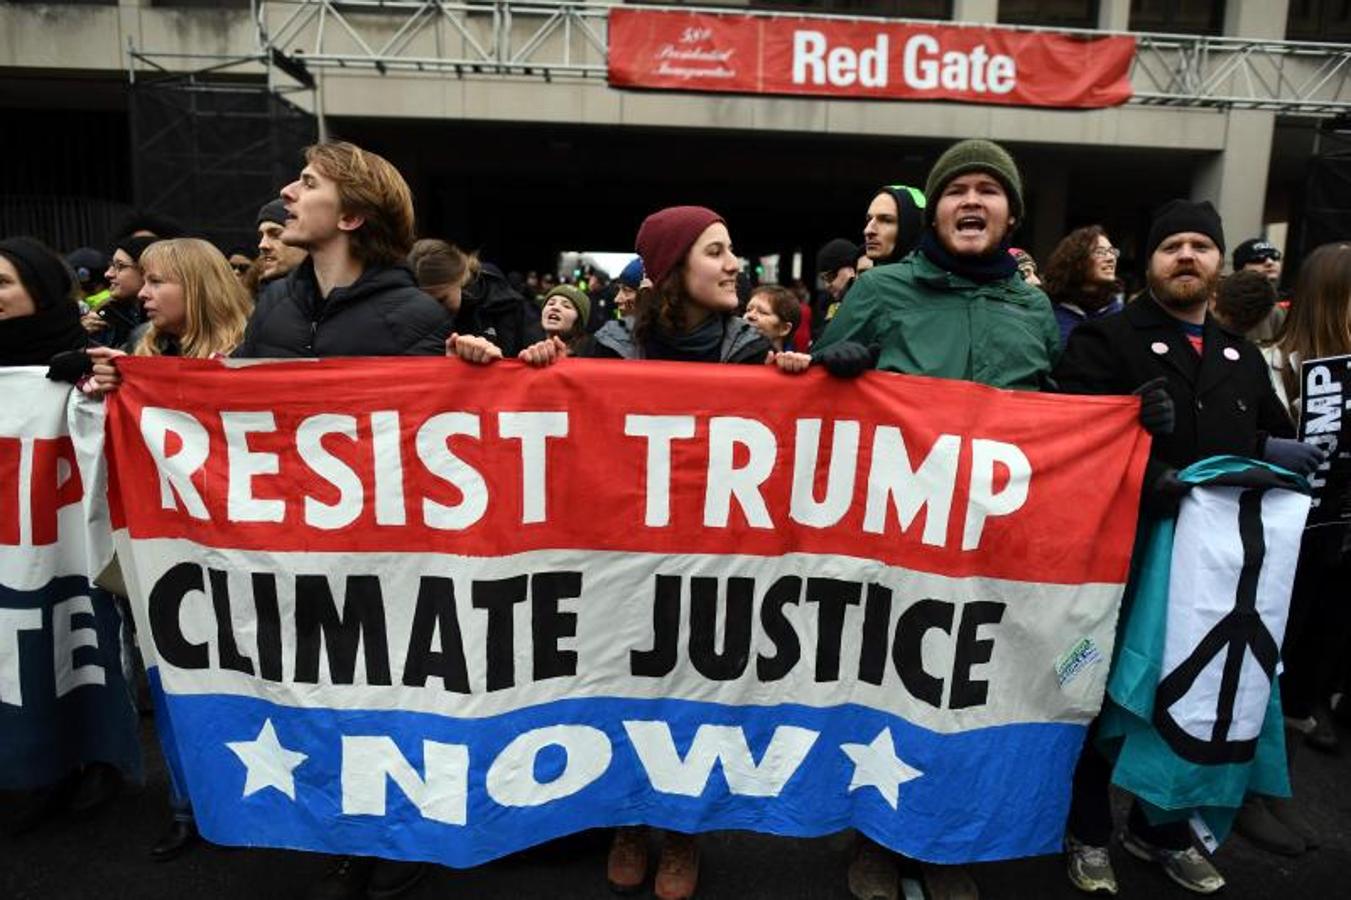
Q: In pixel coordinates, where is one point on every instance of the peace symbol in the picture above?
(1237, 632)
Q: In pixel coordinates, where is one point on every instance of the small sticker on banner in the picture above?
(1203, 833)
(1074, 661)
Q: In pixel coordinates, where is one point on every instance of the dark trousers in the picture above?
(1090, 820)
(1319, 624)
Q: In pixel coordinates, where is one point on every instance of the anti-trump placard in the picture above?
(426, 610)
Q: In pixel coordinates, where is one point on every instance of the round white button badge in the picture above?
(1159, 347)
(1231, 354)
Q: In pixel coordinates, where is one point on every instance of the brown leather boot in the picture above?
(678, 867)
(626, 867)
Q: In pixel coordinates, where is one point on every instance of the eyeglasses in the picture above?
(1105, 253)
(118, 266)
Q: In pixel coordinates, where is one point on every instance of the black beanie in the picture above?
(133, 245)
(1177, 216)
(836, 254)
(910, 205)
(42, 272)
(272, 211)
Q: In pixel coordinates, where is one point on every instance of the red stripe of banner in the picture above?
(1077, 523)
(874, 60)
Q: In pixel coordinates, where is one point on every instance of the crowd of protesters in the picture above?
(935, 287)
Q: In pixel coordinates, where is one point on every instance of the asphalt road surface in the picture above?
(102, 856)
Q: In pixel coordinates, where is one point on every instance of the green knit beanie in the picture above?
(577, 297)
(975, 155)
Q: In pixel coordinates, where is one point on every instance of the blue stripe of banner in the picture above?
(988, 794)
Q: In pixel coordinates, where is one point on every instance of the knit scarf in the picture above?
(702, 344)
(33, 340)
(995, 266)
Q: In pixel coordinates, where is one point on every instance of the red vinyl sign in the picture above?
(866, 59)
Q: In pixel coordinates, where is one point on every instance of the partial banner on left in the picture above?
(64, 698)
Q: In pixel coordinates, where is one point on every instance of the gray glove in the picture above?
(1298, 457)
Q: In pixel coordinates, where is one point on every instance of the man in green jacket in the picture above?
(956, 307)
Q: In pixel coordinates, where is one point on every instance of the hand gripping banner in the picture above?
(425, 610)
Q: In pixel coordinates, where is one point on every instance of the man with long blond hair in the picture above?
(351, 211)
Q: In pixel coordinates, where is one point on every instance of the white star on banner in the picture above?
(877, 765)
(269, 764)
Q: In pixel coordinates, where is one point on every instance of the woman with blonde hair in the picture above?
(195, 308)
(194, 305)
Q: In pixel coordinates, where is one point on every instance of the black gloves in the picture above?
(1156, 407)
(1169, 486)
(1163, 495)
(1298, 457)
(847, 359)
(70, 366)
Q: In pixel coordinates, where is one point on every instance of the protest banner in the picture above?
(63, 698)
(1323, 420)
(868, 59)
(1194, 720)
(426, 610)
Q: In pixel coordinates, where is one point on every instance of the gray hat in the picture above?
(272, 211)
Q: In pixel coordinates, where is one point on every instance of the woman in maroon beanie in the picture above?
(688, 315)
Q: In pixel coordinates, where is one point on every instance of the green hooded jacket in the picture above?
(928, 321)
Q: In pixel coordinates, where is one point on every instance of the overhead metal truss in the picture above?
(561, 39)
(544, 37)
(1289, 77)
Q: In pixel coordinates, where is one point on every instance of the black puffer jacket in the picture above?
(382, 313)
(490, 307)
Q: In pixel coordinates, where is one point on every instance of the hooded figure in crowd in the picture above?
(39, 317)
(894, 223)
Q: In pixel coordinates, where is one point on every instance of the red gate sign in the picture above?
(866, 60)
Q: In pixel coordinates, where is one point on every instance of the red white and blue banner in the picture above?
(424, 610)
(866, 59)
(64, 700)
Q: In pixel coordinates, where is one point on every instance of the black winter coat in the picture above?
(1224, 399)
(491, 308)
(382, 313)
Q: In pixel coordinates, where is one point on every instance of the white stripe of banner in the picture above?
(976, 651)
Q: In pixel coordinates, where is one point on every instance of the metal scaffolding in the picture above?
(562, 39)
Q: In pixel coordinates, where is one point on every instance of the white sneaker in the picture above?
(1089, 867)
(1188, 868)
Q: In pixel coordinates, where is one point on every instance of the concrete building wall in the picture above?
(1230, 151)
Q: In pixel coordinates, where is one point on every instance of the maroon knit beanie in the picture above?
(666, 236)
